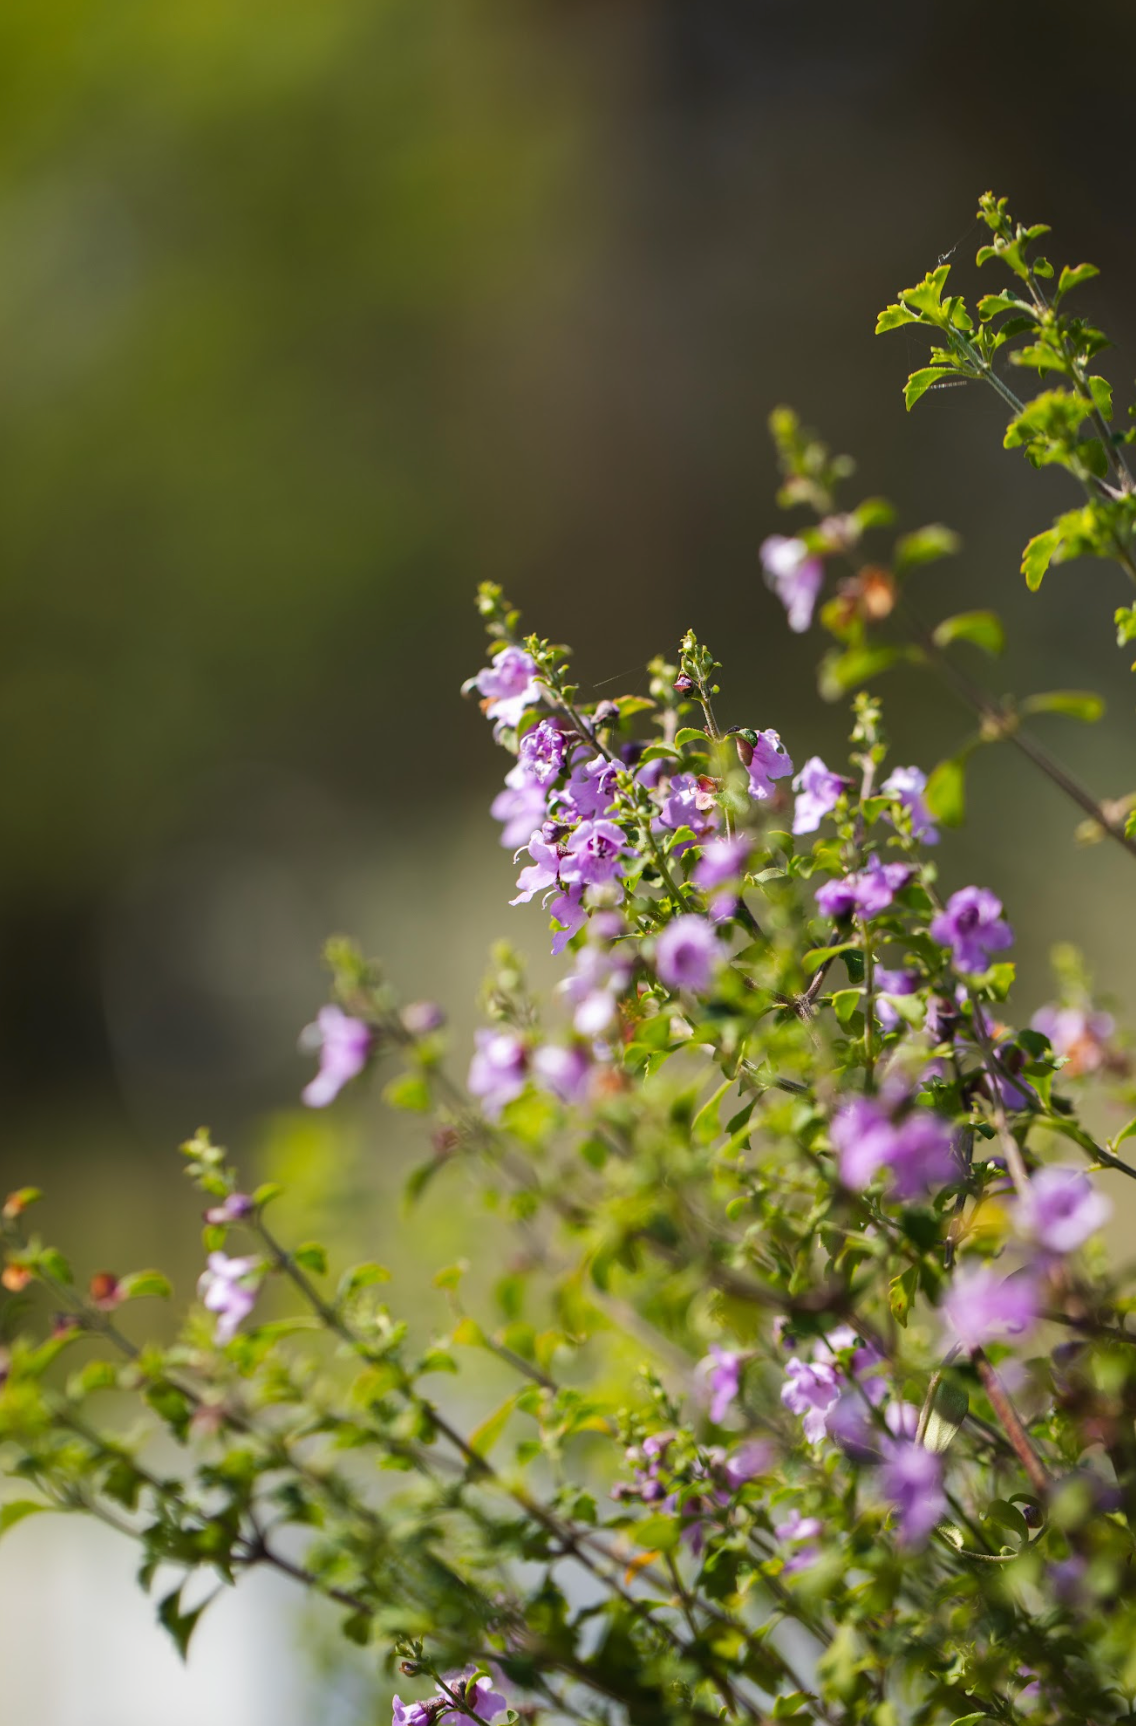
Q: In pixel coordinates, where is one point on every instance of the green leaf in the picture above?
(629, 705)
(1005, 1515)
(484, 1437)
(1072, 276)
(1073, 703)
(971, 1720)
(361, 1277)
(1038, 556)
(819, 956)
(925, 545)
(983, 628)
(901, 1293)
(51, 1263)
(408, 1091)
(311, 1257)
(893, 318)
(945, 795)
(691, 734)
(17, 1510)
(845, 1003)
(140, 1284)
(180, 1625)
(1101, 391)
(659, 752)
(943, 1413)
(873, 512)
(841, 672)
(920, 382)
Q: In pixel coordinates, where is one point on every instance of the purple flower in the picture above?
(420, 1018)
(911, 1479)
(722, 861)
(892, 983)
(767, 762)
(972, 927)
(918, 1148)
(689, 803)
(409, 1713)
(521, 806)
(795, 575)
(982, 1306)
(867, 893)
(224, 1288)
(541, 752)
(541, 874)
(817, 793)
(1061, 1208)
(235, 1209)
(565, 1071)
(749, 1460)
(480, 1696)
(1078, 1036)
(568, 915)
(794, 1530)
(591, 790)
(1068, 1578)
(594, 854)
(722, 1371)
(811, 1389)
(687, 953)
(907, 785)
(498, 1070)
(344, 1044)
(509, 685)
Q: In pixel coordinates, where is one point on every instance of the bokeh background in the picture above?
(313, 316)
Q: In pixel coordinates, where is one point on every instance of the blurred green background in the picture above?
(312, 315)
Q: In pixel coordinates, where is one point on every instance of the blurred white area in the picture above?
(80, 1644)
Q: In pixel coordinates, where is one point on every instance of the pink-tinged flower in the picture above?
(891, 983)
(226, 1289)
(722, 861)
(721, 1371)
(687, 953)
(911, 1479)
(972, 927)
(594, 854)
(569, 916)
(749, 1460)
(917, 1148)
(794, 1530)
(907, 785)
(520, 807)
(811, 1389)
(485, 1702)
(867, 893)
(565, 1071)
(344, 1044)
(510, 686)
(983, 1306)
(421, 1018)
(541, 874)
(591, 790)
(541, 751)
(795, 575)
(235, 1209)
(769, 760)
(1079, 1037)
(690, 803)
(498, 1070)
(1061, 1208)
(409, 1713)
(818, 792)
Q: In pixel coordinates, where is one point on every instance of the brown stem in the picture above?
(1008, 1416)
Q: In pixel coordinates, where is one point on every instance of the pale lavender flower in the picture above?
(796, 1530)
(541, 751)
(907, 785)
(563, 1070)
(687, 953)
(811, 1389)
(892, 983)
(722, 861)
(818, 791)
(749, 1460)
(520, 807)
(917, 1148)
(498, 1070)
(568, 915)
(972, 927)
(983, 1306)
(911, 1479)
(591, 790)
(796, 576)
(1061, 1208)
(421, 1018)
(867, 893)
(769, 761)
(689, 803)
(541, 874)
(722, 1372)
(344, 1044)
(236, 1207)
(510, 684)
(225, 1290)
(1080, 1037)
(594, 854)
(1068, 1578)
(409, 1713)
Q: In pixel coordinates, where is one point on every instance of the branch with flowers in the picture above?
(822, 1391)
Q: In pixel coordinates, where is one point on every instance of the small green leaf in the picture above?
(1073, 703)
(180, 1625)
(408, 1091)
(901, 1293)
(484, 1437)
(841, 672)
(451, 1275)
(983, 628)
(1072, 276)
(1101, 391)
(629, 705)
(1038, 556)
(946, 792)
(17, 1510)
(691, 734)
(893, 318)
(845, 1003)
(311, 1257)
(920, 382)
(943, 1413)
(140, 1284)
(925, 545)
(819, 956)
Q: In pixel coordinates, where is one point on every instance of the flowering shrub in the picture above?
(878, 1460)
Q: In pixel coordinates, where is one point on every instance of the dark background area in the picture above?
(311, 317)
